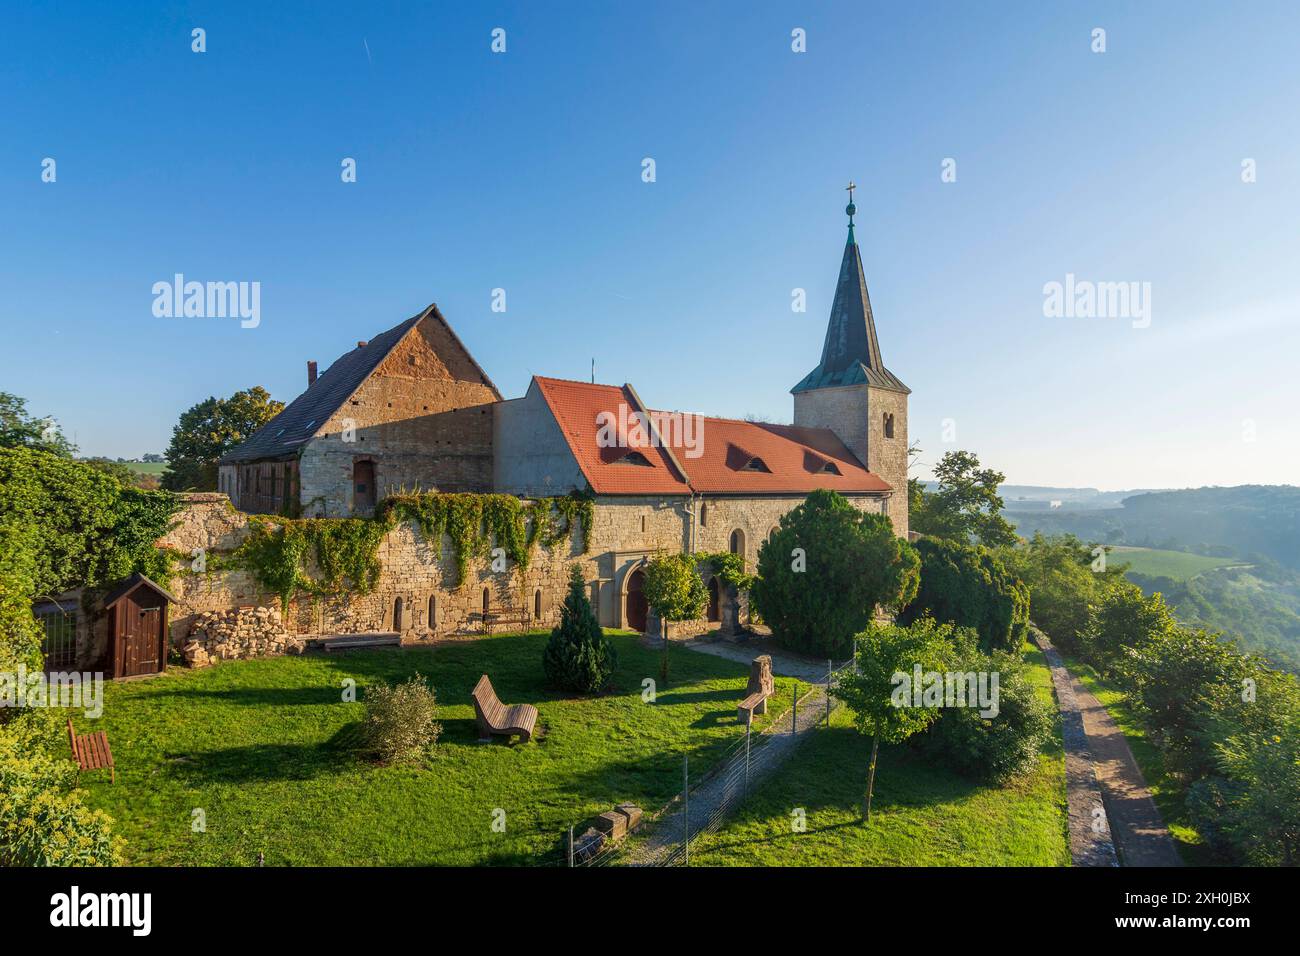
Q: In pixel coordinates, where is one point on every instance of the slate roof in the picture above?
(851, 352)
(285, 434)
(795, 456)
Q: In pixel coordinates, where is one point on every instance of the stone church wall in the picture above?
(626, 532)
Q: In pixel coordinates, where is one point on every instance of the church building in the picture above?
(411, 409)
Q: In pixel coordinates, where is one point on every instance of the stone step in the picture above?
(343, 642)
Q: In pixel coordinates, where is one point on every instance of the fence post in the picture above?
(747, 725)
(686, 809)
(570, 846)
(830, 676)
(794, 706)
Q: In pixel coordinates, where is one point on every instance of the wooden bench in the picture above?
(495, 717)
(758, 690)
(91, 751)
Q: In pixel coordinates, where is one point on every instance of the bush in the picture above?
(846, 564)
(995, 748)
(400, 721)
(42, 820)
(578, 657)
(970, 587)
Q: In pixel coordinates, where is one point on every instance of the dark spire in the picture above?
(851, 353)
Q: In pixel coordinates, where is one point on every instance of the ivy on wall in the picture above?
(281, 553)
(728, 567)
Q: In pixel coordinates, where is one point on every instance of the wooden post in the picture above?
(571, 846)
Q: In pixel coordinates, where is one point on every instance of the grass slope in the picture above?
(265, 749)
(922, 814)
(1178, 565)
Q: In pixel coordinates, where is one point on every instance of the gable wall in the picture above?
(424, 417)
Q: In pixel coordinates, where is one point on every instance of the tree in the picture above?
(971, 587)
(128, 476)
(675, 592)
(1124, 622)
(1065, 583)
(824, 572)
(209, 430)
(966, 505)
(20, 430)
(578, 657)
(879, 691)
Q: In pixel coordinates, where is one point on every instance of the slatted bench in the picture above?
(759, 689)
(91, 751)
(496, 718)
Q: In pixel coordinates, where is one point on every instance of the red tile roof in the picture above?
(794, 456)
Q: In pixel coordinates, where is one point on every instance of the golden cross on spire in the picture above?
(850, 187)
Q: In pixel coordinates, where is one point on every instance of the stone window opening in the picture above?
(704, 514)
(643, 524)
(738, 542)
(889, 425)
(487, 600)
(397, 615)
(537, 604)
(433, 612)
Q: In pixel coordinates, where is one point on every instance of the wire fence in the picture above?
(706, 800)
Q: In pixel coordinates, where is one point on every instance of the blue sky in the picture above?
(522, 171)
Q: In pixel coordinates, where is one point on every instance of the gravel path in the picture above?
(1100, 771)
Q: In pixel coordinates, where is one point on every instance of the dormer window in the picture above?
(831, 468)
(756, 464)
(633, 458)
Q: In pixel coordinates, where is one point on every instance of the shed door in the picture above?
(139, 637)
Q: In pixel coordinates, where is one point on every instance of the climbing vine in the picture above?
(729, 568)
(280, 553)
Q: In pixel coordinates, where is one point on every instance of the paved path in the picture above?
(1100, 771)
(723, 789)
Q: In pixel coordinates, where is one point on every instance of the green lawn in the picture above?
(1166, 790)
(922, 814)
(1178, 565)
(155, 468)
(265, 749)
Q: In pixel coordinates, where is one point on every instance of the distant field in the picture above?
(148, 467)
(1178, 565)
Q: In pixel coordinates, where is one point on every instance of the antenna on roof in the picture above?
(593, 370)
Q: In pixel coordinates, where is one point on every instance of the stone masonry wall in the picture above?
(416, 597)
(425, 418)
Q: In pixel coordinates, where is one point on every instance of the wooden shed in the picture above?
(136, 613)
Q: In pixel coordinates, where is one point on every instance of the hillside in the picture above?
(1227, 559)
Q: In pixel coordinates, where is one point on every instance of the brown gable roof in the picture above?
(285, 434)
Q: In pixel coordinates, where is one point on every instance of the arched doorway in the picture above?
(637, 608)
(715, 600)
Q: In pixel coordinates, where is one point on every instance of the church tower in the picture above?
(851, 392)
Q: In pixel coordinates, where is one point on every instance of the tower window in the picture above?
(889, 425)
